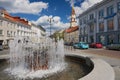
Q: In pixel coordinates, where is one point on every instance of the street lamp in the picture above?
(50, 20)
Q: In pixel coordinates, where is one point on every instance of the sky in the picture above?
(39, 11)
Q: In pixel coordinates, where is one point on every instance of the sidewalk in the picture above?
(114, 62)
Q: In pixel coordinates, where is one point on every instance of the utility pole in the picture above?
(50, 20)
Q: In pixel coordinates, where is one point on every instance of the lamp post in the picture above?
(50, 20)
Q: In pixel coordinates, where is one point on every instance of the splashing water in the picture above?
(31, 60)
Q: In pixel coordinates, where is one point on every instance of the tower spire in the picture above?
(73, 17)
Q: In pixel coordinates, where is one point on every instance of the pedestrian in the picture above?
(71, 44)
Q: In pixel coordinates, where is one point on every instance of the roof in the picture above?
(71, 29)
(73, 11)
(14, 19)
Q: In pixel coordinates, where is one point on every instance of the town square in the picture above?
(60, 40)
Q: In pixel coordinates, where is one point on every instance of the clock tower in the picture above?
(73, 22)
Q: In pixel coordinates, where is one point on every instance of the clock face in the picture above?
(72, 19)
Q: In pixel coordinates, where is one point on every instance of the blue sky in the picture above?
(60, 8)
(39, 11)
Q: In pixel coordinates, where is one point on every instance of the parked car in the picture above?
(96, 45)
(113, 47)
(81, 45)
(67, 44)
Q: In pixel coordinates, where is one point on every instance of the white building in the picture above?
(11, 27)
(38, 33)
(101, 23)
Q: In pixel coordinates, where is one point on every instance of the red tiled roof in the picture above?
(71, 29)
(15, 19)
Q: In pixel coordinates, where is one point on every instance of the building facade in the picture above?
(11, 27)
(101, 23)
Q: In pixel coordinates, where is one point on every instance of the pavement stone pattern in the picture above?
(110, 56)
(103, 52)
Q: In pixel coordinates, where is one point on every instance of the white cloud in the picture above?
(56, 23)
(83, 6)
(23, 6)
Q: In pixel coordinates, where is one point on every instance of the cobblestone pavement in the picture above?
(110, 56)
(102, 52)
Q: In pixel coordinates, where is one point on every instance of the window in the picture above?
(110, 39)
(80, 31)
(1, 22)
(101, 13)
(14, 33)
(84, 20)
(110, 24)
(11, 34)
(101, 26)
(91, 16)
(80, 22)
(119, 38)
(1, 32)
(92, 39)
(119, 23)
(8, 34)
(91, 27)
(84, 30)
(110, 10)
(102, 39)
(118, 6)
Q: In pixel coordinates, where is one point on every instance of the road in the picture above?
(103, 52)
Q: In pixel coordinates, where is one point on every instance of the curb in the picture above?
(101, 70)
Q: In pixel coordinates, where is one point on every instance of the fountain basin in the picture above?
(76, 68)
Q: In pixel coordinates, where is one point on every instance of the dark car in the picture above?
(67, 44)
(113, 47)
(96, 45)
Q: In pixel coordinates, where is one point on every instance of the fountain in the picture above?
(28, 58)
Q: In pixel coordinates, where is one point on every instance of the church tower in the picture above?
(73, 22)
